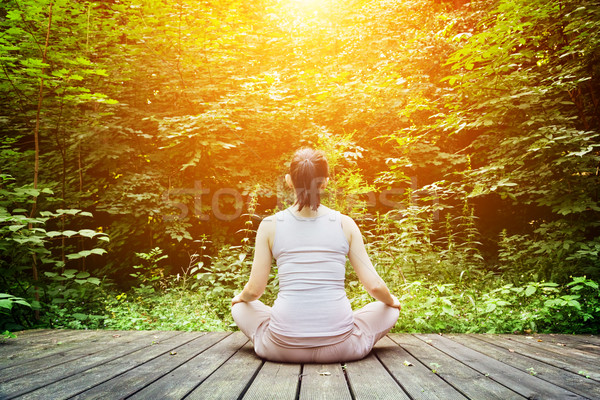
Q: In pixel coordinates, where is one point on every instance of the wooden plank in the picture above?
(581, 343)
(368, 379)
(62, 355)
(551, 342)
(275, 381)
(69, 379)
(560, 377)
(471, 383)
(179, 382)
(417, 379)
(584, 338)
(587, 343)
(49, 336)
(29, 382)
(565, 337)
(560, 360)
(521, 382)
(231, 379)
(92, 364)
(33, 332)
(25, 348)
(324, 382)
(135, 379)
(10, 346)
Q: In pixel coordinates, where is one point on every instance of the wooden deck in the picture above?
(221, 365)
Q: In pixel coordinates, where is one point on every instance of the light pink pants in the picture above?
(371, 323)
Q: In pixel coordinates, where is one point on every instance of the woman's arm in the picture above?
(363, 267)
(261, 265)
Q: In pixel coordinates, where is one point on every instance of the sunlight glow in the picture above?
(310, 7)
(308, 2)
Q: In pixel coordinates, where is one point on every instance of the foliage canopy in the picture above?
(464, 137)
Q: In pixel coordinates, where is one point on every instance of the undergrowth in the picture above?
(443, 286)
(427, 307)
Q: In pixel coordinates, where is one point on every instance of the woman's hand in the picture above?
(236, 299)
(396, 303)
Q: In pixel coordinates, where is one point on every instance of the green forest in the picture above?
(142, 142)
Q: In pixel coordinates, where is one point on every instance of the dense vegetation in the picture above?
(142, 141)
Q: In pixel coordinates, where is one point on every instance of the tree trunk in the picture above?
(36, 137)
(80, 171)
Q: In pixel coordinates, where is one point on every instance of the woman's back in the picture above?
(311, 320)
(311, 260)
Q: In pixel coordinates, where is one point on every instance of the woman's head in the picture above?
(308, 175)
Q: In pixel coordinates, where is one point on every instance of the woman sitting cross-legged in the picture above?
(311, 320)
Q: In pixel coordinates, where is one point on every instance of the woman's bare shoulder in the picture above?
(267, 224)
(347, 221)
(268, 220)
(349, 227)
(266, 231)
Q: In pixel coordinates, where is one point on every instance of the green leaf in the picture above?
(83, 61)
(14, 228)
(98, 251)
(22, 302)
(530, 290)
(448, 310)
(591, 284)
(71, 211)
(5, 303)
(75, 256)
(88, 233)
(94, 281)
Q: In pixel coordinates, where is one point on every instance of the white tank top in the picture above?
(311, 261)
